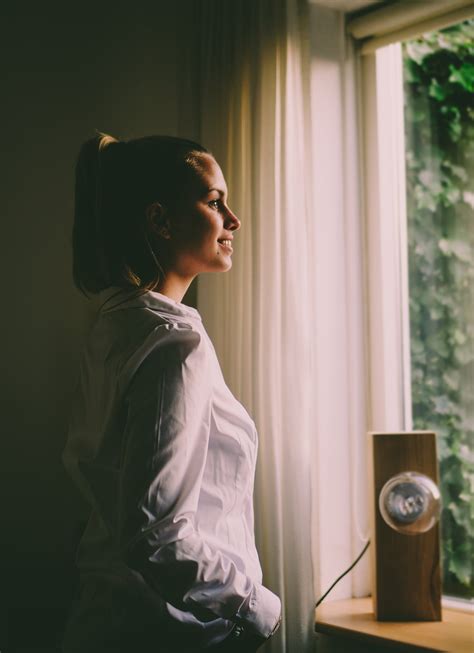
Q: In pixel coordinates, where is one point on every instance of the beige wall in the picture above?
(108, 66)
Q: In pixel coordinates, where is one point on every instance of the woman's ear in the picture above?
(157, 220)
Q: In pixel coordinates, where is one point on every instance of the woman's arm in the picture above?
(168, 404)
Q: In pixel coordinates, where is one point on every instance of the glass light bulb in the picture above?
(410, 503)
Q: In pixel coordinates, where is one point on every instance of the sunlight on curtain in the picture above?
(254, 104)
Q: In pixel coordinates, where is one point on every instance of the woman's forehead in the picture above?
(210, 177)
(209, 167)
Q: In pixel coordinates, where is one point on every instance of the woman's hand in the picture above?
(244, 640)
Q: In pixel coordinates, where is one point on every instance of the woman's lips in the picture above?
(227, 247)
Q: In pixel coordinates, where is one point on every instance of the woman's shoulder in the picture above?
(119, 341)
(163, 342)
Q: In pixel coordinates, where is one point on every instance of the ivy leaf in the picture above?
(425, 200)
(458, 171)
(437, 91)
(430, 180)
(464, 355)
(460, 565)
(451, 196)
(452, 379)
(464, 75)
(436, 313)
(459, 248)
(455, 130)
(459, 337)
(453, 115)
(411, 72)
(461, 514)
(442, 405)
(443, 448)
(452, 474)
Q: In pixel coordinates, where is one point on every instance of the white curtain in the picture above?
(254, 115)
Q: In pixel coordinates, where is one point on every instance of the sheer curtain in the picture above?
(254, 116)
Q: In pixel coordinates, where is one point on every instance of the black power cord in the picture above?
(343, 574)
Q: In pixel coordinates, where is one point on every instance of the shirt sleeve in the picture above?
(168, 413)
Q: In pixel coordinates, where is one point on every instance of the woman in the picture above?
(158, 445)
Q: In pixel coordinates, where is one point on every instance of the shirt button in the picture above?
(238, 631)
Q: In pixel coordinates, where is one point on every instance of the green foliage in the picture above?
(439, 125)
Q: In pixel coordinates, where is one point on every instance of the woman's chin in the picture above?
(223, 263)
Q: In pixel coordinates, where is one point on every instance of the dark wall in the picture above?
(65, 72)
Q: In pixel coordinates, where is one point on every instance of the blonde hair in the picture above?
(104, 140)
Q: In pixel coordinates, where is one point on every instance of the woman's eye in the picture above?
(214, 204)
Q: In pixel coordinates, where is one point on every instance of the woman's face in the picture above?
(201, 220)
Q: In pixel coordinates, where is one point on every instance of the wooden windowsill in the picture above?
(354, 618)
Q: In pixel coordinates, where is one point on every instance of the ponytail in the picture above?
(89, 258)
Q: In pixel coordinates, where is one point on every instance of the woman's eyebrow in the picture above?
(221, 192)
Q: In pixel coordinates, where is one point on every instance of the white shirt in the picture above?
(165, 455)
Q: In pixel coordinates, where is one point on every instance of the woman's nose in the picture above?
(232, 220)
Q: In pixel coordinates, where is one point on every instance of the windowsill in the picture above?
(354, 619)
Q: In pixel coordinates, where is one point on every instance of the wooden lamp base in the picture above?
(405, 568)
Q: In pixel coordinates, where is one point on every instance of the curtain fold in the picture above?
(261, 315)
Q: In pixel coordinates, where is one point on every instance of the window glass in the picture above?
(438, 71)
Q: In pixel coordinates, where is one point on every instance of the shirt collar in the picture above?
(115, 297)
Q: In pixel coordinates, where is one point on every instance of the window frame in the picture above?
(386, 258)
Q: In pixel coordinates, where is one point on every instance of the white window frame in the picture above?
(386, 262)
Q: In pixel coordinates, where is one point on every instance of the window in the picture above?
(438, 80)
(418, 123)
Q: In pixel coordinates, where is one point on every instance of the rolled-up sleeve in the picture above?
(167, 408)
